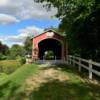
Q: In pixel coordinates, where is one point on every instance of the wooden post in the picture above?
(73, 60)
(43, 59)
(55, 59)
(79, 66)
(70, 60)
(90, 69)
(64, 60)
(67, 59)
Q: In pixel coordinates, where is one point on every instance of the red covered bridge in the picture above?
(49, 41)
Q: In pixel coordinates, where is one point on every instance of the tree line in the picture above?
(15, 51)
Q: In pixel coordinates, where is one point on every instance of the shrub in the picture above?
(3, 76)
(2, 57)
(22, 60)
(49, 55)
(9, 66)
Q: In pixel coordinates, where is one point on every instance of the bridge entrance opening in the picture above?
(50, 49)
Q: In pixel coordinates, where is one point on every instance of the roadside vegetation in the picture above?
(9, 66)
(12, 58)
(12, 85)
(79, 21)
(59, 82)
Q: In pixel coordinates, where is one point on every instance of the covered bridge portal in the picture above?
(49, 41)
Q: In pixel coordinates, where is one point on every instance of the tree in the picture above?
(4, 51)
(49, 55)
(28, 45)
(16, 50)
(70, 10)
(80, 23)
(89, 37)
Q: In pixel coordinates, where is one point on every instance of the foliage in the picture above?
(28, 45)
(3, 57)
(4, 51)
(70, 9)
(16, 50)
(85, 38)
(9, 66)
(88, 36)
(3, 76)
(49, 55)
(80, 21)
(22, 60)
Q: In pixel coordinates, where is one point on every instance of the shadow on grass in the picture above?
(57, 90)
(66, 90)
(63, 68)
(74, 70)
(54, 89)
(8, 90)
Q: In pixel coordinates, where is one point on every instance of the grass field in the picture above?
(9, 66)
(13, 84)
(58, 82)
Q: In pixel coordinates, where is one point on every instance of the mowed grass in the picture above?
(72, 89)
(12, 85)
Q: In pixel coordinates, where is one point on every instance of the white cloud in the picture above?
(7, 19)
(22, 34)
(22, 9)
(25, 32)
(3, 2)
(26, 9)
(30, 30)
(1, 38)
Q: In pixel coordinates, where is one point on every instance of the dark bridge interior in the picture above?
(50, 45)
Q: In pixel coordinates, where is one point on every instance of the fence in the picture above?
(80, 62)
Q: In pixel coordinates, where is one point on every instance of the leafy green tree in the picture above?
(28, 45)
(4, 51)
(16, 51)
(49, 55)
(80, 21)
(88, 36)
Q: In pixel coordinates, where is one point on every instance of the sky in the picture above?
(22, 18)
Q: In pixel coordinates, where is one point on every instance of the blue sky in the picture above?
(17, 21)
(12, 29)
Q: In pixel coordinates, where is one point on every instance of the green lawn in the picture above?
(12, 87)
(13, 84)
(73, 89)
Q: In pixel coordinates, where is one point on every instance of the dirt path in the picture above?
(46, 74)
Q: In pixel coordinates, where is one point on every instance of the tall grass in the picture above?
(9, 66)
